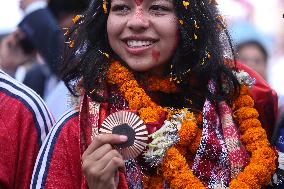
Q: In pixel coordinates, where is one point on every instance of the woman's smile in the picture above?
(139, 44)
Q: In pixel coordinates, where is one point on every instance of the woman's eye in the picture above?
(159, 8)
(122, 9)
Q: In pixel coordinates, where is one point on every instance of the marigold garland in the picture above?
(153, 182)
(136, 97)
(175, 168)
(260, 171)
(182, 150)
(244, 101)
(253, 134)
(196, 142)
(262, 164)
(252, 180)
(249, 123)
(161, 84)
(245, 113)
(244, 90)
(176, 171)
(257, 144)
(187, 132)
(239, 184)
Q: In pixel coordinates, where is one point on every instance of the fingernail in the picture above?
(123, 138)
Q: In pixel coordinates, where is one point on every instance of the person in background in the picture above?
(44, 26)
(253, 54)
(24, 124)
(65, 11)
(42, 30)
(17, 55)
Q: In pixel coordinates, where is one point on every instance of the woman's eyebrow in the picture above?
(170, 1)
(123, 1)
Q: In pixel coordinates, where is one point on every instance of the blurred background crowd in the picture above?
(257, 30)
(256, 27)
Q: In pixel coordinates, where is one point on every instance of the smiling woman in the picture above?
(138, 33)
(161, 103)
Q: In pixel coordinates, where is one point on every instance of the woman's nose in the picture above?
(138, 21)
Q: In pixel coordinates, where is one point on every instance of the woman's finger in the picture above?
(112, 167)
(104, 139)
(107, 158)
(100, 152)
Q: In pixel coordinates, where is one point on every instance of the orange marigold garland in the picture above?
(250, 147)
(176, 171)
(175, 168)
(249, 123)
(153, 182)
(136, 97)
(244, 101)
(253, 134)
(262, 164)
(161, 84)
(245, 113)
(244, 90)
(239, 184)
(196, 142)
(252, 180)
(260, 172)
(187, 132)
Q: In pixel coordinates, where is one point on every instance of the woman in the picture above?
(162, 64)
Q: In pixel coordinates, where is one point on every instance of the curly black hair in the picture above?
(203, 49)
(61, 8)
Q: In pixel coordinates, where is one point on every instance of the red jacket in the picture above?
(24, 124)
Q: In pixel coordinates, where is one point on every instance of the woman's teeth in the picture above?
(137, 44)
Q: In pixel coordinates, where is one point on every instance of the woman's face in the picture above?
(143, 33)
(252, 56)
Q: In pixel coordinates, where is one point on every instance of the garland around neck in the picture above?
(175, 169)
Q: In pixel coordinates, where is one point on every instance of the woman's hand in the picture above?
(101, 162)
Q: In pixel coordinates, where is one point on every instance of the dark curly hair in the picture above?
(203, 49)
(61, 8)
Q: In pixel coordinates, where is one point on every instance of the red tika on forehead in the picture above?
(138, 2)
